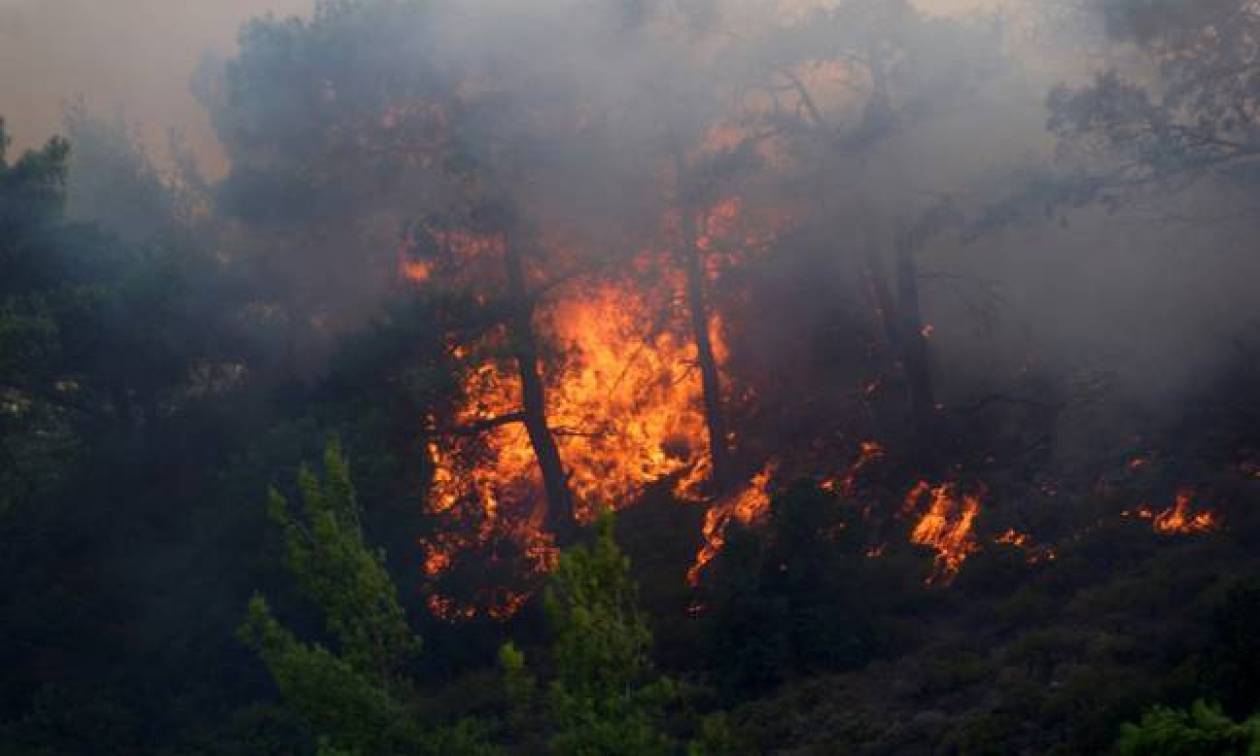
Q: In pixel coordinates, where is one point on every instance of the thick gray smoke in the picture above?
(1149, 302)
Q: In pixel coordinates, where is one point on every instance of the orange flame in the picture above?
(869, 452)
(945, 527)
(624, 402)
(624, 398)
(1023, 541)
(1179, 520)
(1013, 537)
(747, 506)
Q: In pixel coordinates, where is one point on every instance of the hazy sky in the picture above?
(135, 57)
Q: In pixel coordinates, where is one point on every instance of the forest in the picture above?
(644, 377)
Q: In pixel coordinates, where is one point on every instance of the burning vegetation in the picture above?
(1179, 519)
(946, 525)
(920, 385)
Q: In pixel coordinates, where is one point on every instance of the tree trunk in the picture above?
(710, 376)
(559, 516)
(881, 292)
(913, 347)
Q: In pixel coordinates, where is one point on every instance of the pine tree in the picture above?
(607, 697)
(357, 699)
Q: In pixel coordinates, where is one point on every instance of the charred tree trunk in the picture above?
(710, 375)
(902, 321)
(881, 292)
(559, 517)
(913, 346)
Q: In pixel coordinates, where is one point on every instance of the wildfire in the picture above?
(869, 452)
(1013, 537)
(747, 506)
(1024, 542)
(624, 403)
(626, 400)
(946, 526)
(1179, 519)
(623, 393)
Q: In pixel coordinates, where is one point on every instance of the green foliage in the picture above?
(345, 706)
(716, 738)
(519, 684)
(1202, 730)
(606, 697)
(356, 698)
(795, 595)
(346, 579)
(32, 189)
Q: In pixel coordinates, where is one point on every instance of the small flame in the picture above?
(1024, 542)
(1179, 519)
(869, 452)
(946, 526)
(1013, 537)
(416, 271)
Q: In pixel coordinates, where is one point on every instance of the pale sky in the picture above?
(133, 55)
(136, 57)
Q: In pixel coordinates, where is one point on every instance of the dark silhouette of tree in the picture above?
(1191, 112)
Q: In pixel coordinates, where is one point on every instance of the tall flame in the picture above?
(624, 397)
(624, 403)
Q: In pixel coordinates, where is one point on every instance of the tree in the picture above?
(853, 133)
(794, 595)
(1190, 112)
(357, 699)
(695, 194)
(1236, 667)
(606, 697)
(1202, 730)
(35, 432)
(333, 126)
(348, 128)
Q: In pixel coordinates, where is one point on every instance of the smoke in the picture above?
(1143, 303)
